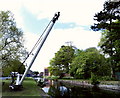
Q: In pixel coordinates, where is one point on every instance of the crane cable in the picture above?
(36, 44)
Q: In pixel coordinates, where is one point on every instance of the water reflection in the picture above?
(58, 90)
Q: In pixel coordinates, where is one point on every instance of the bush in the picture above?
(105, 78)
(68, 77)
(52, 77)
(94, 79)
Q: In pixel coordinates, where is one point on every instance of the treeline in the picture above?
(79, 63)
(92, 62)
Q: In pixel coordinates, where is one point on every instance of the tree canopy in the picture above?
(11, 40)
(61, 62)
(108, 20)
(14, 66)
(87, 62)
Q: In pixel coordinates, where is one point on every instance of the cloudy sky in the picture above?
(76, 17)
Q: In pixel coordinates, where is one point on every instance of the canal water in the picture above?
(63, 90)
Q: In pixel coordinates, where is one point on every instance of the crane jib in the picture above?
(20, 78)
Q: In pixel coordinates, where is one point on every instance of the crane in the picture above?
(18, 83)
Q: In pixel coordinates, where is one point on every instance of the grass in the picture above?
(30, 88)
(111, 82)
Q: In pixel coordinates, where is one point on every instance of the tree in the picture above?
(11, 40)
(107, 46)
(109, 21)
(13, 67)
(54, 69)
(97, 62)
(77, 65)
(64, 57)
(87, 62)
(106, 18)
(61, 62)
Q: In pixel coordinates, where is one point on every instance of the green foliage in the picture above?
(89, 61)
(64, 57)
(105, 18)
(110, 45)
(106, 78)
(109, 21)
(14, 66)
(52, 77)
(55, 69)
(94, 79)
(61, 62)
(68, 77)
(77, 65)
(11, 39)
(12, 50)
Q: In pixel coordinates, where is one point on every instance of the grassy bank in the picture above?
(29, 89)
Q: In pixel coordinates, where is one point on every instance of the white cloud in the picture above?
(81, 38)
(78, 11)
(14, 6)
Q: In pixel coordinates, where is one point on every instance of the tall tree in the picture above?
(64, 57)
(87, 62)
(106, 18)
(61, 62)
(109, 21)
(11, 40)
(54, 69)
(107, 46)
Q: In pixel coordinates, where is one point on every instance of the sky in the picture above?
(73, 25)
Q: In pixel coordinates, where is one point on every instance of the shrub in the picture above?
(105, 78)
(52, 77)
(68, 77)
(94, 79)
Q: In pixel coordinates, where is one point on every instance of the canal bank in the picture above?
(115, 87)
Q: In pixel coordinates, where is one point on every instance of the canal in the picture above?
(64, 90)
